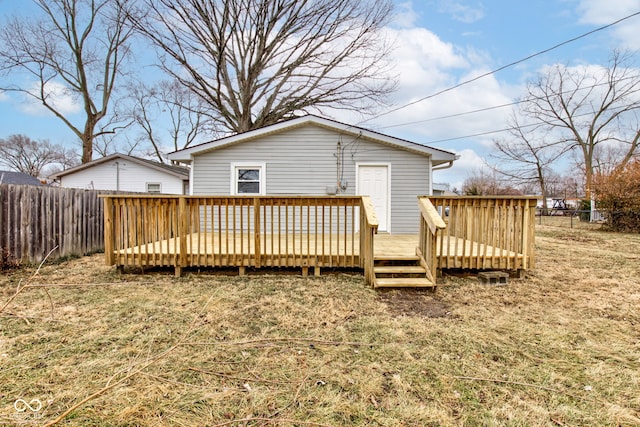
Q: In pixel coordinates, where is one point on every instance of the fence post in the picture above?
(256, 232)
(370, 223)
(183, 235)
(108, 231)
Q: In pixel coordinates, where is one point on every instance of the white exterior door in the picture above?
(373, 181)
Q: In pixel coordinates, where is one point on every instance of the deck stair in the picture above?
(400, 272)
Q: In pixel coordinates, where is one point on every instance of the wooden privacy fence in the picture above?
(240, 231)
(486, 232)
(36, 219)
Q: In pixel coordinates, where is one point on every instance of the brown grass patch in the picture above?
(560, 347)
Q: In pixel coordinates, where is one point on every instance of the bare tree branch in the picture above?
(589, 108)
(174, 105)
(527, 156)
(76, 50)
(257, 62)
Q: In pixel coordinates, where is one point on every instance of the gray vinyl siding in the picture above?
(302, 161)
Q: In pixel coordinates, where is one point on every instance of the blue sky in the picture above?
(441, 43)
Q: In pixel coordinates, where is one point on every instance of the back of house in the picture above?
(315, 156)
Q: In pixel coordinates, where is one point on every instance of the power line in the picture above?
(604, 27)
(521, 101)
(489, 132)
(449, 116)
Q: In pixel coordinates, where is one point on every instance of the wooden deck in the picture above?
(209, 249)
(319, 232)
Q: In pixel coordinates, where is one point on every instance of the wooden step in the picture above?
(404, 283)
(396, 261)
(399, 269)
(396, 258)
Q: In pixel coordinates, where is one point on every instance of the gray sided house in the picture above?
(315, 156)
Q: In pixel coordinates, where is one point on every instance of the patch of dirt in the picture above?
(414, 302)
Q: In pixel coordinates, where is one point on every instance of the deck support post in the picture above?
(183, 235)
(242, 271)
(178, 271)
(305, 271)
(316, 271)
(256, 233)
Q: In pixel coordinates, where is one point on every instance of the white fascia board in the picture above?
(438, 156)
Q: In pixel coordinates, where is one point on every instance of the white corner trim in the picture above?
(191, 175)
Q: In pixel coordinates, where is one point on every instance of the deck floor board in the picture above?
(206, 245)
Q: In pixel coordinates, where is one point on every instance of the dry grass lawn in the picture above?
(558, 348)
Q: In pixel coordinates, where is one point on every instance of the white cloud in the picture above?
(406, 16)
(427, 65)
(58, 96)
(598, 12)
(3, 96)
(461, 12)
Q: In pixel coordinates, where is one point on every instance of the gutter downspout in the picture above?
(117, 176)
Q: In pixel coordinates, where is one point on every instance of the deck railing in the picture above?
(431, 226)
(240, 231)
(486, 232)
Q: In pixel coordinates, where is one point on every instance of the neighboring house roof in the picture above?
(11, 177)
(438, 156)
(178, 171)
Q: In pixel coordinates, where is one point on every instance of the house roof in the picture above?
(12, 177)
(438, 156)
(178, 171)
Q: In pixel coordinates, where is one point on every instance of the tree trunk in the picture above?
(588, 178)
(87, 140)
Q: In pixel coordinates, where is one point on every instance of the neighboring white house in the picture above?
(120, 172)
(315, 156)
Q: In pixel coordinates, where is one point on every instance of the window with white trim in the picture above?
(154, 187)
(247, 179)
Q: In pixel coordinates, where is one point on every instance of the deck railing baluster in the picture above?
(486, 232)
(183, 231)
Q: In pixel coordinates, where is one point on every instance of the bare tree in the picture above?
(486, 183)
(177, 108)
(107, 144)
(527, 156)
(23, 154)
(589, 108)
(258, 62)
(76, 49)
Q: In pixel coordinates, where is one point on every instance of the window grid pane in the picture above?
(248, 188)
(248, 175)
(248, 180)
(153, 188)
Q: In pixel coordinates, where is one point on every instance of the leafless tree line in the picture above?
(589, 114)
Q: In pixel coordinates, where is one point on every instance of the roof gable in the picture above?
(178, 171)
(438, 156)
